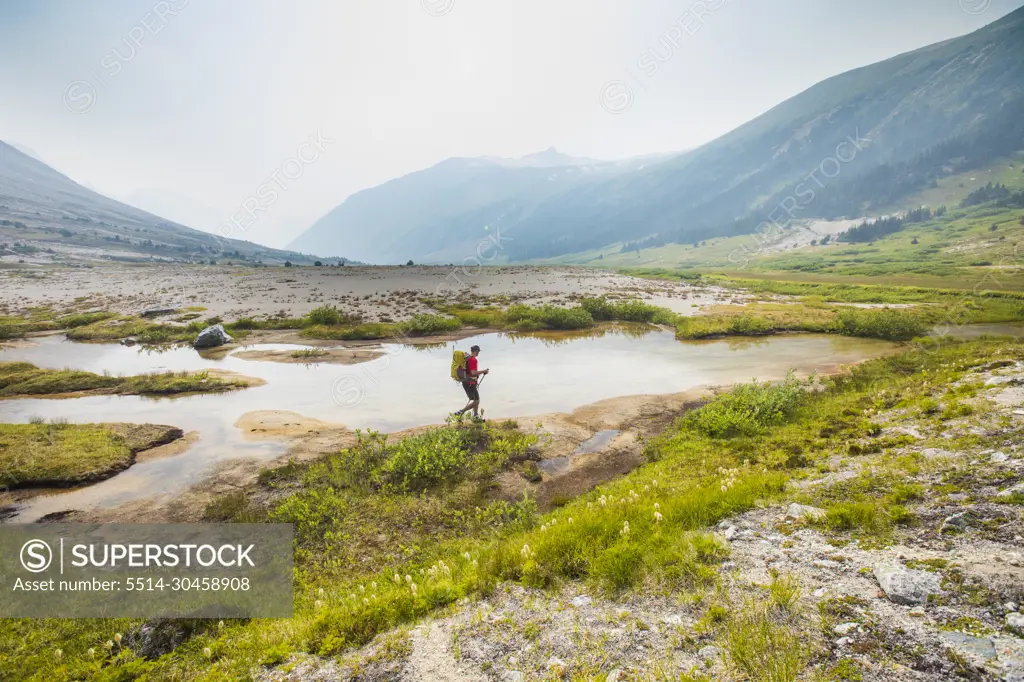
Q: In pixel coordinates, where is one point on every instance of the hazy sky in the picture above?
(199, 102)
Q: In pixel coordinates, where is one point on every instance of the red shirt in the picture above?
(471, 369)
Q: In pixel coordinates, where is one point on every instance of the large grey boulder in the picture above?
(904, 585)
(211, 337)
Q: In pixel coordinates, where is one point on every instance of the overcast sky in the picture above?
(195, 104)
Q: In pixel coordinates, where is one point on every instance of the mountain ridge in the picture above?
(47, 212)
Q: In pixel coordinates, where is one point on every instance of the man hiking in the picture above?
(471, 384)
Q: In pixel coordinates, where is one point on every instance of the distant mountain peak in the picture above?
(549, 158)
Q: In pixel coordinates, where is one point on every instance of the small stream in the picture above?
(408, 386)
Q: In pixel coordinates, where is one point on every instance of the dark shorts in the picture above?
(472, 392)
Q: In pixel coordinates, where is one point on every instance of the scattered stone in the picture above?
(513, 676)
(904, 585)
(957, 522)
(582, 600)
(909, 431)
(730, 533)
(843, 641)
(803, 511)
(674, 619)
(999, 457)
(709, 652)
(932, 453)
(1010, 606)
(155, 312)
(555, 662)
(211, 337)
(980, 647)
(845, 628)
(826, 563)
(820, 592)
(1015, 621)
(1013, 490)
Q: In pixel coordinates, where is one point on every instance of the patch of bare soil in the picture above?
(637, 418)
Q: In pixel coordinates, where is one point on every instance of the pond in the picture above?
(407, 386)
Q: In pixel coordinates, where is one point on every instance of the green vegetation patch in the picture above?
(59, 454)
(19, 379)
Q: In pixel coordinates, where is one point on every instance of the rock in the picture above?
(906, 586)
(513, 676)
(957, 522)
(916, 613)
(130, 341)
(730, 533)
(1015, 621)
(211, 337)
(803, 511)
(555, 662)
(980, 647)
(826, 563)
(845, 628)
(709, 652)
(999, 457)
(820, 592)
(931, 453)
(674, 619)
(909, 431)
(1012, 490)
(154, 312)
(1010, 606)
(843, 641)
(582, 600)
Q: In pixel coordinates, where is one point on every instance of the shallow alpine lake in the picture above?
(531, 374)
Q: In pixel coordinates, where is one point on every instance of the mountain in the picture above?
(44, 210)
(441, 214)
(938, 109)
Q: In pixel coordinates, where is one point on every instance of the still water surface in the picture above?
(408, 386)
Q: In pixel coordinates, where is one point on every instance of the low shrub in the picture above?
(748, 409)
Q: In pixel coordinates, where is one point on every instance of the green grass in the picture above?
(19, 379)
(59, 454)
(763, 319)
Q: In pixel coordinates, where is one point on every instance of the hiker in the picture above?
(471, 384)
